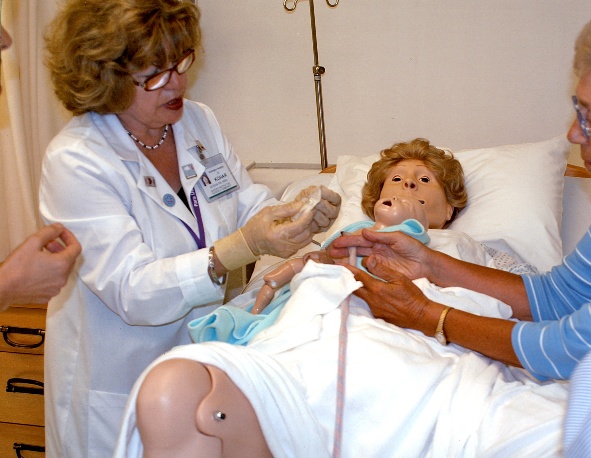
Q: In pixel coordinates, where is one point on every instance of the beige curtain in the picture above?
(30, 116)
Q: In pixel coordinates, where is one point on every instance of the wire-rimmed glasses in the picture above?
(162, 78)
(582, 121)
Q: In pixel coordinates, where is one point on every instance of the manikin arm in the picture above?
(274, 280)
(281, 276)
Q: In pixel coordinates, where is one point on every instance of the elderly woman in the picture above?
(125, 176)
(553, 333)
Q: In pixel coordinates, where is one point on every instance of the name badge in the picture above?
(217, 179)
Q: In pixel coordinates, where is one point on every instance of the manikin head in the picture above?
(393, 210)
(418, 169)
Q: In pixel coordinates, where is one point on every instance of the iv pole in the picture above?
(318, 72)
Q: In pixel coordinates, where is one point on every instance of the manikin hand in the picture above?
(282, 275)
(39, 267)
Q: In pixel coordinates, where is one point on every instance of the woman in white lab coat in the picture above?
(125, 176)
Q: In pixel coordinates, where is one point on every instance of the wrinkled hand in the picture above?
(339, 248)
(395, 250)
(271, 230)
(327, 209)
(38, 268)
(396, 300)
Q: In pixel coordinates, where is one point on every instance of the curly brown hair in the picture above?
(94, 46)
(443, 164)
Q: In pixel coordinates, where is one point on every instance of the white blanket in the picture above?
(406, 395)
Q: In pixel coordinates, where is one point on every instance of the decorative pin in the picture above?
(150, 181)
(189, 171)
(169, 200)
(219, 416)
(201, 148)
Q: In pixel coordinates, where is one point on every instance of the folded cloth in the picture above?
(236, 325)
(410, 227)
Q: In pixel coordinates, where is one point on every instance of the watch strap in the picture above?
(439, 333)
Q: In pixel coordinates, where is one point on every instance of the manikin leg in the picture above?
(166, 406)
(187, 409)
(226, 413)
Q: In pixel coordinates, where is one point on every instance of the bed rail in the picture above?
(576, 171)
(571, 171)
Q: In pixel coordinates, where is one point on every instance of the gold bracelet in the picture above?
(439, 334)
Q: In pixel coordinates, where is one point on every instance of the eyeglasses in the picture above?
(582, 121)
(162, 78)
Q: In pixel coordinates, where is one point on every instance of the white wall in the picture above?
(463, 73)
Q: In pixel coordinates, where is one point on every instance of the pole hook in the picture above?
(294, 4)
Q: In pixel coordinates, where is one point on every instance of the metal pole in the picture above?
(318, 71)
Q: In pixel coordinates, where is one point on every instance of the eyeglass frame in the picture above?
(582, 121)
(189, 53)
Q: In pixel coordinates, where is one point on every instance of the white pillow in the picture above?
(514, 197)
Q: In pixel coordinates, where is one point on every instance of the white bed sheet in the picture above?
(427, 400)
(406, 395)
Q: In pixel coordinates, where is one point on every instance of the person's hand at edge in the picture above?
(39, 267)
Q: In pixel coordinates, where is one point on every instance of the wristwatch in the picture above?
(211, 269)
(439, 334)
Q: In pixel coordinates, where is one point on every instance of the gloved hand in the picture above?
(327, 209)
(270, 231)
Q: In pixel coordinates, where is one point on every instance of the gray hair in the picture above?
(582, 60)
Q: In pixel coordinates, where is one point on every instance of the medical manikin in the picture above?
(186, 407)
(391, 214)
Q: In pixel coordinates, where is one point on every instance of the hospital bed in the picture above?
(523, 199)
(407, 395)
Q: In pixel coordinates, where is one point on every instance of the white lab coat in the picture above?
(140, 278)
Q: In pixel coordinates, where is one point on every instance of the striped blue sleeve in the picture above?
(577, 422)
(552, 349)
(560, 302)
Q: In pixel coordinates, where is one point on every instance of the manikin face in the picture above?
(393, 210)
(575, 134)
(412, 178)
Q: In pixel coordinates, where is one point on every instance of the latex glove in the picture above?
(272, 231)
(326, 211)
